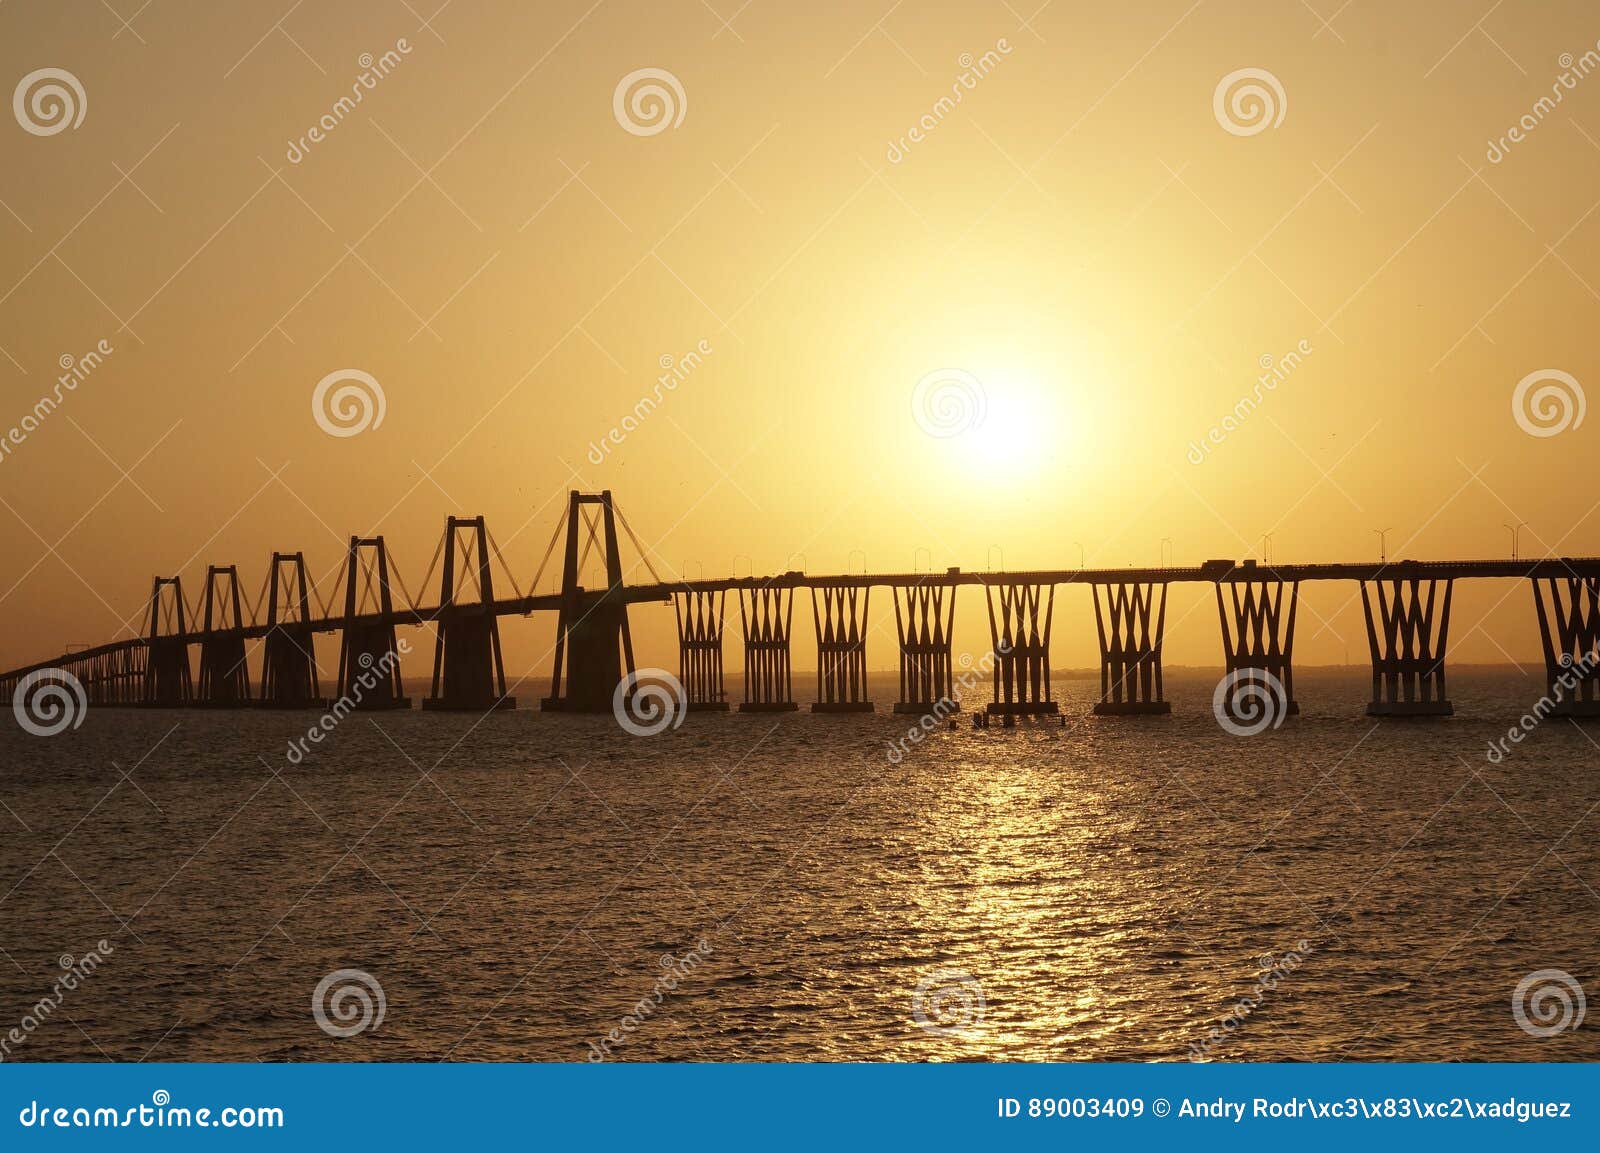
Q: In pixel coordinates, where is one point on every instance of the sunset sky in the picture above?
(1088, 241)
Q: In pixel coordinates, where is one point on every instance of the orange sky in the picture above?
(1081, 241)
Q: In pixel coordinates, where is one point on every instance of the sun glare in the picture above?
(1011, 438)
(996, 425)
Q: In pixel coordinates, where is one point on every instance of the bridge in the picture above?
(1406, 604)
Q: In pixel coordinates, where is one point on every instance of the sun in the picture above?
(1010, 440)
(997, 424)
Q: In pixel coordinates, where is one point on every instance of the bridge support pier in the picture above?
(468, 674)
(593, 645)
(369, 657)
(925, 625)
(288, 651)
(224, 675)
(840, 618)
(1407, 638)
(766, 615)
(700, 618)
(113, 675)
(167, 682)
(116, 677)
(1258, 648)
(110, 676)
(1021, 646)
(1130, 649)
(1571, 644)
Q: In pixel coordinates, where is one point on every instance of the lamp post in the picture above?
(1515, 530)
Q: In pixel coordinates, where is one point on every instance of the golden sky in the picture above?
(1094, 242)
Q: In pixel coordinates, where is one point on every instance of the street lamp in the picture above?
(1383, 543)
(1515, 530)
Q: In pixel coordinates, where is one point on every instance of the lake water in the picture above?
(776, 888)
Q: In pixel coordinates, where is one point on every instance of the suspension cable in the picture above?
(255, 612)
(495, 545)
(437, 552)
(325, 605)
(644, 554)
(549, 551)
(395, 569)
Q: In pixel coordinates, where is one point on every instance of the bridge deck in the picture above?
(1225, 571)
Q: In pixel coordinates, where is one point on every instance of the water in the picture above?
(1105, 890)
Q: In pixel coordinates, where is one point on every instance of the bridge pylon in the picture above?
(468, 673)
(926, 623)
(594, 649)
(167, 682)
(1020, 635)
(288, 651)
(766, 614)
(1407, 638)
(840, 618)
(699, 613)
(369, 656)
(1258, 642)
(224, 674)
(1571, 643)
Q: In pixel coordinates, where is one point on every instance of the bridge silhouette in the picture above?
(1406, 604)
